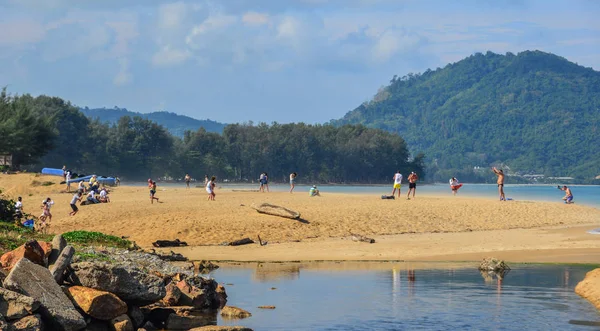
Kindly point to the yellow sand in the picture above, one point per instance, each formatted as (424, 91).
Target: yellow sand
(426, 228)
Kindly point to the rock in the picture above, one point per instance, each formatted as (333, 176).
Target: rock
(121, 323)
(129, 283)
(96, 325)
(176, 322)
(589, 287)
(173, 295)
(205, 266)
(98, 304)
(202, 293)
(14, 305)
(266, 307)
(221, 295)
(221, 328)
(58, 244)
(62, 263)
(493, 264)
(34, 251)
(234, 312)
(157, 316)
(136, 316)
(191, 295)
(27, 323)
(37, 282)
(148, 326)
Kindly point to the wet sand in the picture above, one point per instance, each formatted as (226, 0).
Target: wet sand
(428, 228)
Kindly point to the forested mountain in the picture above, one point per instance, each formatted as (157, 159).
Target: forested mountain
(533, 112)
(174, 123)
(50, 132)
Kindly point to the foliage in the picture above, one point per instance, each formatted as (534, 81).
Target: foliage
(13, 236)
(533, 112)
(95, 239)
(174, 123)
(7, 210)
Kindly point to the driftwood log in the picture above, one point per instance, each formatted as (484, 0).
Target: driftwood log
(269, 209)
(358, 237)
(244, 241)
(169, 243)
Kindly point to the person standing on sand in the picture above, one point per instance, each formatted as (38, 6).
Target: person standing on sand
(152, 192)
(397, 183)
(210, 188)
(187, 181)
(76, 197)
(19, 208)
(68, 179)
(500, 182)
(412, 184)
(293, 176)
(64, 170)
(568, 198)
(454, 185)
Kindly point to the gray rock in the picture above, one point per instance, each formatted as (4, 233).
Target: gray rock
(136, 315)
(149, 326)
(37, 282)
(58, 244)
(61, 264)
(27, 323)
(131, 284)
(14, 305)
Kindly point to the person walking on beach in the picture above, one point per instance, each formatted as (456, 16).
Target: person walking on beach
(500, 182)
(397, 183)
(187, 181)
(568, 198)
(68, 179)
(210, 188)
(454, 185)
(76, 197)
(46, 214)
(152, 192)
(412, 184)
(293, 176)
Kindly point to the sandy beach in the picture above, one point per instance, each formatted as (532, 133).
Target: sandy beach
(428, 228)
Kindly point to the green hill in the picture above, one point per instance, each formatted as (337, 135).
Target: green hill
(531, 113)
(174, 123)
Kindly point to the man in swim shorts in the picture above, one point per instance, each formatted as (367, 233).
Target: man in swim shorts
(568, 198)
(500, 182)
(397, 183)
(412, 184)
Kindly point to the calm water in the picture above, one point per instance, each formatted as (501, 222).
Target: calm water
(384, 297)
(584, 194)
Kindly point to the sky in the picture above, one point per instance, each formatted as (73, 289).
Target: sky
(266, 60)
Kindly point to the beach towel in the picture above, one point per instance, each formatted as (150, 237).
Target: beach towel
(28, 224)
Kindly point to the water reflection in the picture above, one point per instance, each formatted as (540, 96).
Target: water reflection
(265, 272)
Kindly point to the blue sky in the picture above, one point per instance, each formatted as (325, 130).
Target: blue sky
(266, 60)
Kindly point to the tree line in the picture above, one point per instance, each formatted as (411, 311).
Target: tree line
(50, 132)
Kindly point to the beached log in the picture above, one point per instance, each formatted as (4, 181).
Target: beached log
(169, 243)
(358, 237)
(244, 241)
(267, 208)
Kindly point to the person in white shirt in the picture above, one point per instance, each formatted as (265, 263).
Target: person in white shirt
(46, 215)
(76, 197)
(91, 197)
(454, 185)
(210, 188)
(104, 195)
(19, 207)
(81, 187)
(68, 178)
(397, 183)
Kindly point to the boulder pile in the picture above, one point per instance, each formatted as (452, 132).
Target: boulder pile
(43, 288)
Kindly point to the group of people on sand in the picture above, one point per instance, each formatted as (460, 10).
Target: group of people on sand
(412, 184)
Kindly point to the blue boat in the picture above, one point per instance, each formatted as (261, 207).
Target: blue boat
(101, 179)
(52, 171)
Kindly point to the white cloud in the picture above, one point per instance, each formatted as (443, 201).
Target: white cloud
(20, 32)
(254, 18)
(212, 23)
(168, 57)
(171, 15)
(288, 28)
(393, 41)
(124, 75)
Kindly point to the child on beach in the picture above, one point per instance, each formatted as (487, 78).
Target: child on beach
(46, 214)
(68, 178)
(314, 191)
(81, 187)
(76, 197)
(152, 192)
(210, 188)
(293, 176)
(454, 185)
(104, 195)
(187, 181)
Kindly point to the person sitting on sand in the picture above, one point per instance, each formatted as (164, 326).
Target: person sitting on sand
(397, 183)
(152, 192)
(104, 195)
(76, 197)
(91, 197)
(314, 191)
(293, 176)
(568, 198)
(500, 182)
(210, 188)
(454, 185)
(81, 187)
